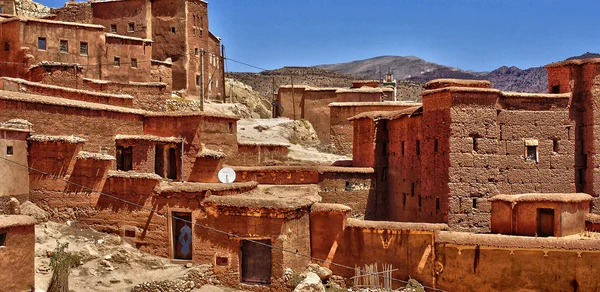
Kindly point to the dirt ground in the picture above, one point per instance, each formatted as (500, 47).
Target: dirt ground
(299, 134)
(110, 264)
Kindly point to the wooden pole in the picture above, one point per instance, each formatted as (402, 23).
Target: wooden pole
(293, 99)
(202, 80)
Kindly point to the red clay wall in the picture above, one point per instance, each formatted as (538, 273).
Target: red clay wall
(292, 107)
(121, 13)
(315, 110)
(256, 154)
(147, 96)
(17, 259)
(126, 50)
(74, 12)
(363, 150)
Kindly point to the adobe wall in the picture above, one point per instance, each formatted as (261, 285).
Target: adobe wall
(15, 178)
(315, 110)
(9, 33)
(341, 130)
(258, 154)
(196, 16)
(98, 127)
(219, 133)
(20, 85)
(74, 12)
(488, 268)
(363, 149)
(150, 96)
(54, 32)
(161, 72)
(127, 50)
(361, 243)
(291, 107)
(8, 7)
(17, 259)
(206, 169)
(359, 95)
(289, 231)
(121, 13)
(216, 81)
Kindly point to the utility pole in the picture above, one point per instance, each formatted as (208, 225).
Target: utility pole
(273, 100)
(293, 99)
(202, 80)
(222, 61)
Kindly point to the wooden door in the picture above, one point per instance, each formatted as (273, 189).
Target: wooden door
(256, 262)
(545, 222)
(182, 235)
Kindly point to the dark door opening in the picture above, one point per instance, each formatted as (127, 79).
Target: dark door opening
(124, 158)
(182, 235)
(256, 262)
(159, 160)
(545, 222)
(172, 173)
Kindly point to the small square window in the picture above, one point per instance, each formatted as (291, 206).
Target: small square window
(200, 33)
(172, 29)
(531, 154)
(222, 261)
(7, 46)
(418, 145)
(196, 51)
(64, 46)
(131, 27)
(133, 63)
(83, 48)
(129, 233)
(555, 89)
(2, 239)
(117, 62)
(197, 80)
(9, 150)
(194, 31)
(42, 43)
(113, 28)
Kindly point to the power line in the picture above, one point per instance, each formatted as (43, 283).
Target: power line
(246, 64)
(208, 227)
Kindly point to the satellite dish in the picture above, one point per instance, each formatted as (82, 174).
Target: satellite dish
(227, 175)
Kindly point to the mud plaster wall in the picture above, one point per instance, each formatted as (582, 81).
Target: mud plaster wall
(127, 50)
(363, 148)
(215, 132)
(522, 219)
(15, 178)
(206, 169)
(10, 34)
(315, 110)
(484, 268)
(17, 259)
(291, 107)
(584, 82)
(403, 249)
(165, 15)
(150, 97)
(350, 189)
(341, 130)
(290, 232)
(250, 155)
(121, 14)
(8, 7)
(98, 127)
(61, 92)
(359, 96)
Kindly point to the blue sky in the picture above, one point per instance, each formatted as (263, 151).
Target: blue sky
(476, 35)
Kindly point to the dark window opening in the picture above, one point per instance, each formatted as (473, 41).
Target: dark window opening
(42, 43)
(9, 150)
(435, 145)
(402, 148)
(230, 127)
(124, 158)
(159, 160)
(348, 186)
(133, 63)
(384, 171)
(531, 154)
(384, 126)
(437, 204)
(404, 199)
(172, 29)
(474, 203)
(1, 10)
(420, 201)
(545, 224)
(129, 233)
(197, 80)
(475, 144)
(182, 235)
(200, 32)
(555, 145)
(113, 28)
(194, 31)
(412, 189)
(131, 27)
(83, 48)
(117, 62)
(418, 147)
(64, 46)
(7, 46)
(555, 89)
(196, 51)
(2, 238)
(172, 173)
(256, 261)
(222, 261)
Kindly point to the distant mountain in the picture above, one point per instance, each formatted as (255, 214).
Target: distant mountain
(418, 70)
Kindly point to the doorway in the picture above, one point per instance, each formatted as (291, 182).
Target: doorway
(256, 261)
(545, 222)
(182, 235)
(172, 171)
(159, 160)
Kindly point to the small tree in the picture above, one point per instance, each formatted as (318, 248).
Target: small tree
(61, 263)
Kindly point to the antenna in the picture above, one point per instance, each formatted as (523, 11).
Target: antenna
(227, 175)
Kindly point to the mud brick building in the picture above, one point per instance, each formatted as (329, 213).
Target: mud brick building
(17, 253)
(466, 144)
